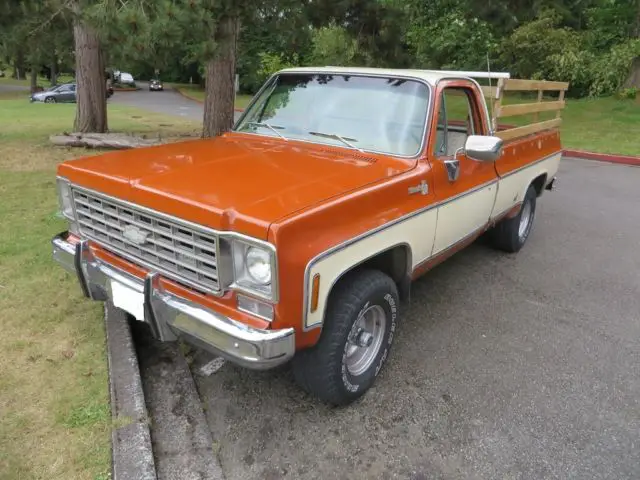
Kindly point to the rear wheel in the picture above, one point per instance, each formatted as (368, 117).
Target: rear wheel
(511, 234)
(50, 100)
(355, 341)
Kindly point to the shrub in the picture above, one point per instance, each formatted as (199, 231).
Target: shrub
(451, 41)
(270, 63)
(333, 45)
(628, 93)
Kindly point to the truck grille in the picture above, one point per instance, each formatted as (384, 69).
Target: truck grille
(179, 251)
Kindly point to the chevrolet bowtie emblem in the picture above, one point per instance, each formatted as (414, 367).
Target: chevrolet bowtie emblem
(135, 235)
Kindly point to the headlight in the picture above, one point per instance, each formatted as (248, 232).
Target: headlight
(253, 268)
(258, 264)
(65, 200)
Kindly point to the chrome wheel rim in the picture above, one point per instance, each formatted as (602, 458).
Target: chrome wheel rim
(525, 221)
(365, 339)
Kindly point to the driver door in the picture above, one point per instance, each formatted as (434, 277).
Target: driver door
(464, 188)
(66, 93)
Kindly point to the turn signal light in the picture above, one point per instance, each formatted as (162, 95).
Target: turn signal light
(315, 292)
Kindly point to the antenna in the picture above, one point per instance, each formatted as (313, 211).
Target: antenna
(490, 93)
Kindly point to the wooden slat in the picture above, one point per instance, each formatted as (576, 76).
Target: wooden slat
(490, 92)
(528, 129)
(524, 108)
(516, 84)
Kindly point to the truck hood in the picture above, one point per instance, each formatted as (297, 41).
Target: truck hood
(238, 182)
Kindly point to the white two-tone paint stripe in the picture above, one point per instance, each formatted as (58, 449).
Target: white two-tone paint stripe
(425, 232)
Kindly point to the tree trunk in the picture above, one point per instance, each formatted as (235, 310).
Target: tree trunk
(220, 79)
(636, 30)
(54, 70)
(19, 71)
(33, 79)
(633, 80)
(91, 93)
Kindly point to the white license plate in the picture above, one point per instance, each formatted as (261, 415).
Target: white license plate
(128, 300)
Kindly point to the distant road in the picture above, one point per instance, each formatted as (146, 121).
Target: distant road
(13, 88)
(168, 102)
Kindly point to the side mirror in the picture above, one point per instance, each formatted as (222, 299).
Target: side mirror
(483, 148)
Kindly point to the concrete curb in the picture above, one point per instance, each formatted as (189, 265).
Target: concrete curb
(602, 157)
(186, 95)
(182, 442)
(132, 453)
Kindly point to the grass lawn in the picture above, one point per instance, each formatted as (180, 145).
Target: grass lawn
(42, 81)
(605, 125)
(55, 419)
(197, 93)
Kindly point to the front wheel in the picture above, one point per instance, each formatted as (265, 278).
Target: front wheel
(50, 100)
(511, 234)
(355, 341)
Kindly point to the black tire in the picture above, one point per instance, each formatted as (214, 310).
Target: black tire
(50, 100)
(323, 370)
(506, 235)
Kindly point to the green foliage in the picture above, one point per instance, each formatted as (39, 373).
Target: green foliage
(610, 70)
(545, 49)
(270, 63)
(628, 93)
(594, 74)
(332, 45)
(530, 49)
(451, 41)
(590, 43)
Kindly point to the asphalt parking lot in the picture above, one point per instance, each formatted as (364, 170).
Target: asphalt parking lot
(504, 367)
(167, 102)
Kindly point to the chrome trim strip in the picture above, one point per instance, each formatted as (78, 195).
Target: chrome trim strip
(479, 90)
(307, 298)
(150, 281)
(222, 234)
(425, 133)
(254, 314)
(73, 204)
(476, 232)
(368, 233)
(148, 211)
(81, 252)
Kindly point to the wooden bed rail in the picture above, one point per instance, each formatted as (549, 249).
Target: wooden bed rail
(534, 108)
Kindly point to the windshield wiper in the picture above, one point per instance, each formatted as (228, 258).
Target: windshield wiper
(346, 140)
(270, 127)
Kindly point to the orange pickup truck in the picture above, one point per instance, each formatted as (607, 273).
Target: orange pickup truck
(295, 235)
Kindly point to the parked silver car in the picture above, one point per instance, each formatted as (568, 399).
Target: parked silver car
(65, 93)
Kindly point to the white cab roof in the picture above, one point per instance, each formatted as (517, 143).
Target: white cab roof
(430, 76)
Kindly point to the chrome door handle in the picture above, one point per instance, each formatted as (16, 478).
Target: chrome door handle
(453, 168)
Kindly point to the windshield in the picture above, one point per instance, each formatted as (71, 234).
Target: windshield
(366, 113)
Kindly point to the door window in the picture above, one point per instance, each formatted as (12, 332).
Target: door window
(456, 121)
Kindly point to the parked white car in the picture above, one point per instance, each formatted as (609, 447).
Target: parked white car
(123, 77)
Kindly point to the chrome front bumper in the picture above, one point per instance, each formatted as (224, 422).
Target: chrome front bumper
(170, 316)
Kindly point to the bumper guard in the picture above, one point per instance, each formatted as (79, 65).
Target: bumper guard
(170, 316)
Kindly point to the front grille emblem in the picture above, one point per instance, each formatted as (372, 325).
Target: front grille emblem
(135, 235)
